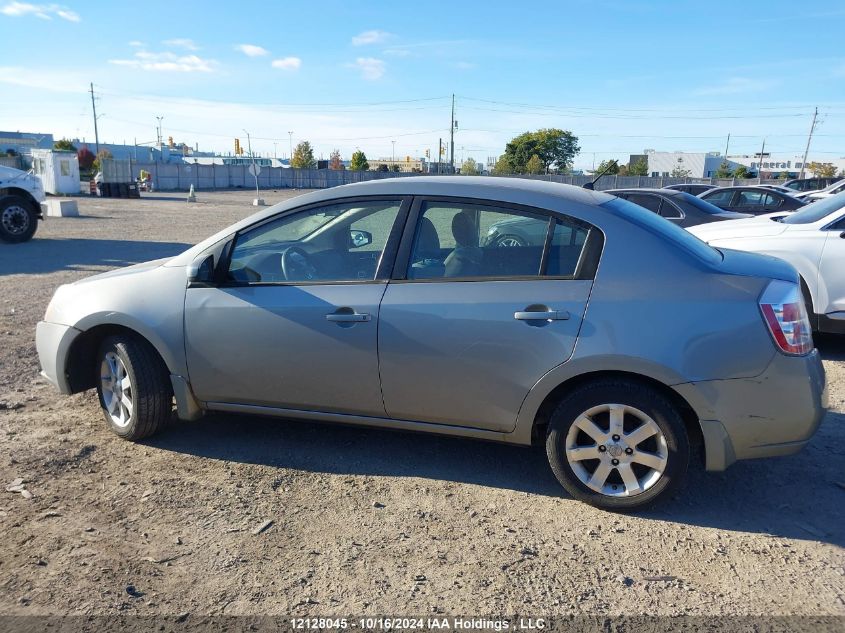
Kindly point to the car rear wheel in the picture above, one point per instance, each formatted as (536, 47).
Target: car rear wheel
(133, 387)
(18, 220)
(617, 445)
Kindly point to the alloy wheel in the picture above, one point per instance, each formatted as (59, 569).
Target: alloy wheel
(616, 450)
(116, 388)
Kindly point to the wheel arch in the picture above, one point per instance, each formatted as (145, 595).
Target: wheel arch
(81, 357)
(23, 193)
(550, 401)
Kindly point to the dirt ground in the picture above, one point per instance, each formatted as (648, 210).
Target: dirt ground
(364, 521)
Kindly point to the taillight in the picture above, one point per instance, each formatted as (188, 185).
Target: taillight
(783, 310)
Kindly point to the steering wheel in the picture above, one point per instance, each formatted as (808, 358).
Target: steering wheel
(296, 266)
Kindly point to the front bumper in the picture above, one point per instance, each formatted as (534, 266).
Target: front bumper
(53, 342)
(775, 413)
(42, 210)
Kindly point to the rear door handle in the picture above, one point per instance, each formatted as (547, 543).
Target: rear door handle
(348, 317)
(547, 315)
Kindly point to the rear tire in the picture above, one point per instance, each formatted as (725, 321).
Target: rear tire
(133, 387)
(617, 444)
(18, 219)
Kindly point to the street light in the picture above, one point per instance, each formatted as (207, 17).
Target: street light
(160, 119)
(393, 155)
(290, 140)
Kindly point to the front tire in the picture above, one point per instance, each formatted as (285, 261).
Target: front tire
(18, 219)
(617, 445)
(133, 387)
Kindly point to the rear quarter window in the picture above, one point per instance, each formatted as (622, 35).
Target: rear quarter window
(667, 230)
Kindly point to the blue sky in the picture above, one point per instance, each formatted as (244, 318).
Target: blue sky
(623, 76)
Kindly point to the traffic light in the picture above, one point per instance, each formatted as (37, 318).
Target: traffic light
(238, 150)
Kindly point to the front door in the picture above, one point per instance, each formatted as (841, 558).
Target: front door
(294, 325)
(492, 298)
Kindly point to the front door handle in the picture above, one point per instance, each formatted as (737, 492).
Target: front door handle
(347, 317)
(541, 315)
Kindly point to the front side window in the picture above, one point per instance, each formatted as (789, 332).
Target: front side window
(457, 240)
(339, 242)
(719, 197)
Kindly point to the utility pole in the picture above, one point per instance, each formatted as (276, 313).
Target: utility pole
(439, 153)
(290, 142)
(760, 164)
(727, 145)
(452, 136)
(159, 119)
(94, 108)
(258, 201)
(809, 138)
(393, 153)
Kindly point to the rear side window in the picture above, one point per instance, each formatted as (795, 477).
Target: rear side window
(668, 230)
(652, 203)
(719, 197)
(455, 240)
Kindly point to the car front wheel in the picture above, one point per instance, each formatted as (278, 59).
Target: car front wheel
(617, 445)
(133, 387)
(18, 219)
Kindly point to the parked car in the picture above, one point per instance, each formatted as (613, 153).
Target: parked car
(693, 188)
(810, 184)
(752, 200)
(786, 190)
(827, 192)
(21, 197)
(682, 208)
(811, 240)
(380, 303)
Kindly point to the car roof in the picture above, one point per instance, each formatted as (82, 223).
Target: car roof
(659, 191)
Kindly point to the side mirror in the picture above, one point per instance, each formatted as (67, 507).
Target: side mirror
(360, 238)
(201, 270)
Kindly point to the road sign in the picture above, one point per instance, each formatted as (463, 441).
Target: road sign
(255, 169)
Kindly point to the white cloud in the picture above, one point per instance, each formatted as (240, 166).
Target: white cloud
(371, 68)
(136, 44)
(182, 42)
(43, 11)
(370, 37)
(397, 52)
(465, 65)
(251, 50)
(287, 63)
(167, 62)
(736, 85)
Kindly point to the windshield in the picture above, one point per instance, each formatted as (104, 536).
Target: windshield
(817, 210)
(664, 228)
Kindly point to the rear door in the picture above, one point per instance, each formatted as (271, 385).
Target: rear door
(470, 322)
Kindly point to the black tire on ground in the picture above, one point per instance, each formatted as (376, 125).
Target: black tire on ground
(633, 394)
(151, 392)
(18, 219)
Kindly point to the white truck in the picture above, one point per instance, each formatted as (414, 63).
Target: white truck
(21, 204)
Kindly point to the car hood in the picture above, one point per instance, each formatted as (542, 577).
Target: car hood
(759, 226)
(121, 272)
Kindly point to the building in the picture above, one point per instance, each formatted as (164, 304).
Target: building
(407, 164)
(691, 164)
(775, 165)
(24, 142)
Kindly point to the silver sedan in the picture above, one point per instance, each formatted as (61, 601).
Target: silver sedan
(618, 340)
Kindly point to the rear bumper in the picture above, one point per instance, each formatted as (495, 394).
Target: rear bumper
(53, 342)
(773, 414)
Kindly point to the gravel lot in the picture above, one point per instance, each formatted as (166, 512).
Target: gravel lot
(364, 521)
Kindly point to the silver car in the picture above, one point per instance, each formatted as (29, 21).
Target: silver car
(618, 341)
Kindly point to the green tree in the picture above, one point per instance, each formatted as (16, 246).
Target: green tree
(335, 161)
(382, 167)
(741, 172)
(724, 171)
(303, 156)
(554, 148)
(822, 170)
(623, 171)
(395, 167)
(680, 171)
(534, 165)
(359, 162)
(103, 155)
(784, 175)
(638, 168)
(611, 166)
(469, 167)
(502, 166)
(64, 145)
